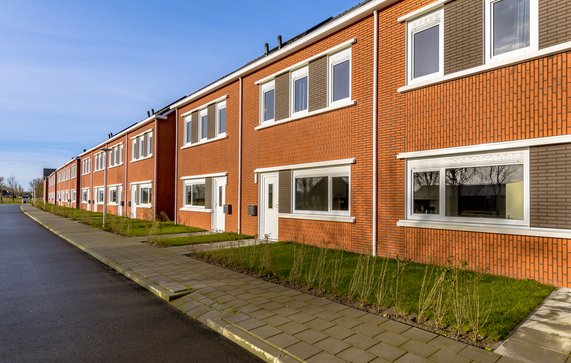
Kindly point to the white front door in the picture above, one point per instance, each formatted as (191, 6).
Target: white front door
(133, 201)
(218, 201)
(119, 200)
(88, 199)
(269, 207)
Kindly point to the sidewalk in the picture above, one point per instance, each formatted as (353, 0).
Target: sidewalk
(275, 323)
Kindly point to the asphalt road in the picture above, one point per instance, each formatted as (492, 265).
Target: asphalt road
(57, 304)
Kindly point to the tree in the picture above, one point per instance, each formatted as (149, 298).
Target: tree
(1, 188)
(37, 187)
(13, 186)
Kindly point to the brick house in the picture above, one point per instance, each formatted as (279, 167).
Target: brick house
(140, 176)
(63, 185)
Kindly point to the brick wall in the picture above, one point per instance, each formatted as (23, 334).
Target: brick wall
(463, 35)
(554, 24)
(318, 84)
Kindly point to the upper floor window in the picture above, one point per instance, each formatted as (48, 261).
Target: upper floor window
(188, 129)
(116, 155)
(143, 146)
(268, 101)
(299, 90)
(425, 47)
(221, 118)
(85, 166)
(203, 129)
(74, 171)
(99, 161)
(340, 76)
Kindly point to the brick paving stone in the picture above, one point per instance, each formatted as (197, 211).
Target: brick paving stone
(387, 351)
(419, 335)
(339, 332)
(361, 341)
(262, 314)
(270, 305)
(285, 311)
(422, 349)
(372, 319)
(265, 331)
(530, 352)
(236, 317)
(332, 345)
(328, 315)
(325, 357)
(303, 350)
(301, 317)
(293, 327)
(412, 358)
(353, 313)
(379, 360)
(448, 344)
(251, 323)
(310, 309)
(311, 336)
(335, 307)
(369, 330)
(283, 340)
(479, 355)
(444, 356)
(319, 324)
(505, 359)
(276, 320)
(356, 355)
(295, 304)
(391, 338)
(346, 322)
(395, 326)
(249, 308)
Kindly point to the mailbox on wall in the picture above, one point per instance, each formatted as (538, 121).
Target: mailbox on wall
(227, 208)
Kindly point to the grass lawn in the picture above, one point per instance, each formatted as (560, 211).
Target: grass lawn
(10, 201)
(119, 225)
(471, 306)
(203, 238)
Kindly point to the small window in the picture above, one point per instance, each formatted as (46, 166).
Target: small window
(270, 196)
(84, 196)
(340, 76)
(187, 129)
(100, 195)
(145, 195)
(135, 151)
(113, 195)
(73, 196)
(512, 27)
(268, 102)
(299, 90)
(322, 191)
(221, 118)
(426, 192)
(425, 47)
(203, 125)
(149, 143)
(195, 193)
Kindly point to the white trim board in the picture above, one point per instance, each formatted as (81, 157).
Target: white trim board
(506, 145)
(317, 164)
(200, 176)
(141, 182)
(351, 17)
(306, 61)
(318, 217)
(219, 99)
(424, 10)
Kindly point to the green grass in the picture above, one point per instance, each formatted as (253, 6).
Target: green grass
(203, 238)
(119, 225)
(334, 272)
(10, 201)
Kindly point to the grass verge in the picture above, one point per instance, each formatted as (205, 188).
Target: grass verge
(119, 225)
(202, 238)
(471, 306)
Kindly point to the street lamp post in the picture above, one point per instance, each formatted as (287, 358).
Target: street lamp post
(105, 186)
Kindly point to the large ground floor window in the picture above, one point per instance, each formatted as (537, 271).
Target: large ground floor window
(195, 193)
(481, 188)
(322, 191)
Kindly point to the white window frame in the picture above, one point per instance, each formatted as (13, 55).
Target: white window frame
(330, 172)
(84, 193)
(295, 75)
(142, 146)
(187, 136)
(333, 60)
(221, 106)
(201, 114)
(470, 160)
(417, 25)
(74, 171)
(111, 190)
(99, 161)
(73, 195)
(189, 183)
(533, 33)
(139, 193)
(266, 87)
(99, 191)
(85, 166)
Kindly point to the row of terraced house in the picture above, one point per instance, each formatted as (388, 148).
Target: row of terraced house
(425, 129)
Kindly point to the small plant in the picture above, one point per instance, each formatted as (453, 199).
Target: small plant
(397, 278)
(430, 290)
(382, 288)
(296, 271)
(477, 311)
(336, 267)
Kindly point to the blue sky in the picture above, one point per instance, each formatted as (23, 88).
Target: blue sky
(73, 71)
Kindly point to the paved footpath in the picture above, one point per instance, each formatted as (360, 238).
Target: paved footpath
(275, 323)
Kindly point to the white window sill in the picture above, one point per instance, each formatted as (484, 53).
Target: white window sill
(139, 159)
(318, 217)
(112, 204)
(219, 137)
(145, 206)
(195, 209)
(308, 114)
(486, 228)
(489, 66)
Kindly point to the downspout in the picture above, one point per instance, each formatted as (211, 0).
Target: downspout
(126, 189)
(92, 195)
(176, 167)
(240, 159)
(375, 115)
(155, 156)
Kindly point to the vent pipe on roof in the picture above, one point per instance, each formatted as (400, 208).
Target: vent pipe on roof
(267, 48)
(152, 111)
(148, 113)
(280, 43)
(110, 135)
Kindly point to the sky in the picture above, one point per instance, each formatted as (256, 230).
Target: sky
(73, 71)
